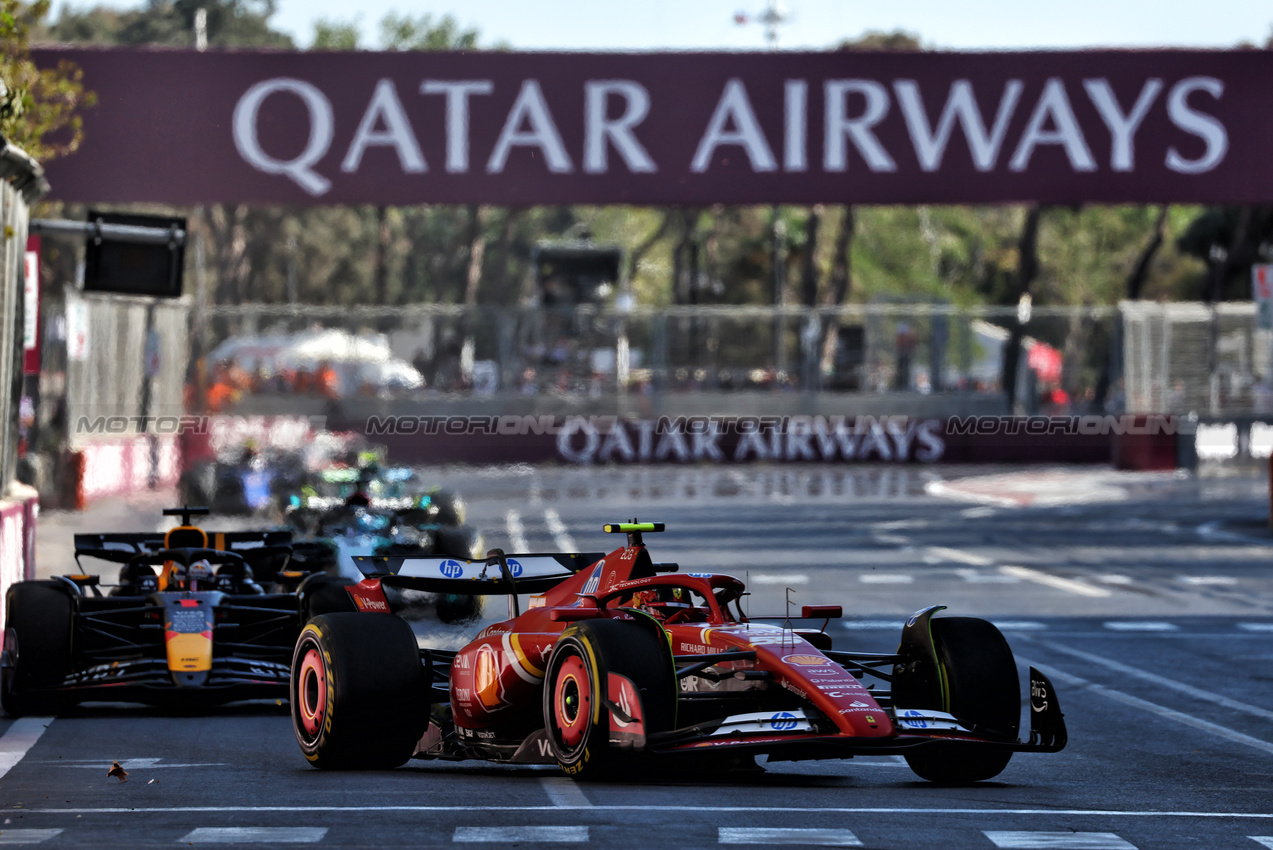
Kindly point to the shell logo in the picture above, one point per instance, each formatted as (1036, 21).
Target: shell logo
(486, 678)
(805, 660)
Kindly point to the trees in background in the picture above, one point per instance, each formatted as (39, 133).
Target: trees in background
(39, 108)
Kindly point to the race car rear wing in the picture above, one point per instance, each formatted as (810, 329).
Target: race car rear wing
(120, 547)
(533, 573)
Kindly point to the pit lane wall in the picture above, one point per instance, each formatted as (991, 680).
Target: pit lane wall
(1127, 442)
(21, 184)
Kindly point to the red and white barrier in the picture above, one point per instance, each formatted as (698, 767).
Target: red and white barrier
(17, 539)
(124, 465)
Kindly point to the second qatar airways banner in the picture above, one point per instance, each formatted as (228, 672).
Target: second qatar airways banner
(182, 127)
(1141, 442)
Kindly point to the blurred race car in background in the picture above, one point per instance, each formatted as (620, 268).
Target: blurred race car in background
(245, 481)
(619, 660)
(346, 511)
(188, 621)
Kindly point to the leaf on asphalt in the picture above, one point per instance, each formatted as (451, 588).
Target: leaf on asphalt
(117, 772)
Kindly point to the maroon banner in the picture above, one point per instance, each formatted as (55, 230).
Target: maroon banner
(1131, 442)
(687, 128)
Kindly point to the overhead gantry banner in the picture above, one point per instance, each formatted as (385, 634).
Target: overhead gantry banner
(182, 127)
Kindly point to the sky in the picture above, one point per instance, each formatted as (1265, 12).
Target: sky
(810, 25)
(813, 24)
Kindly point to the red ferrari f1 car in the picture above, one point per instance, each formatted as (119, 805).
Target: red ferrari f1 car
(620, 659)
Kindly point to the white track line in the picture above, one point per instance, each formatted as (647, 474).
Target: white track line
(671, 807)
(773, 837)
(26, 836)
(959, 556)
(779, 578)
(1067, 584)
(886, 578)
(520, 835)
(1140, 626)
(516, 533)
(255, 835)
(565, 792)
(1153, 708)
(1161, 681)
(557, 528)
(21, 737)
(1025, 840)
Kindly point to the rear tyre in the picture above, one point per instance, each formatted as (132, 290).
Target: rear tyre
(37, 642)
(576, 717)
(358, 692)
(984, 691)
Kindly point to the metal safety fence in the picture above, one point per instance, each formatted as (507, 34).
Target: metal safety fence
(421, 351)
(1212, 360)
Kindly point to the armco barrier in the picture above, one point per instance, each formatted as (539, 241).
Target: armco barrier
(17, 539)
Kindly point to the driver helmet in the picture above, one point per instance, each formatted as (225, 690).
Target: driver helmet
(200, 570)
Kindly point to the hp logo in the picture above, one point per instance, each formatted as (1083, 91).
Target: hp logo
(514, 567)
(783, 721)
(451, 569)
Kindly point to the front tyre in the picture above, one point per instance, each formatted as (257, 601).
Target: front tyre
(576, 716)
(983, 691)
(37, 648)
(358, 691)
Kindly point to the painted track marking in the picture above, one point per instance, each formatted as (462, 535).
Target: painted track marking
(1067, 584)
(772, 837)
(978, 577)
(19, 739)
(26, 836)
(1266, 840)
(521, 834)
(873, 625)
(126, 764)
(255, 835)
(886, 578)
(557, 528)
(1151, 707)
(565, 792)
(1161, 681)
(1140, 626)
(1021, 840)
(674, 807)
(778, 578)
(942, 553)
(516, 533)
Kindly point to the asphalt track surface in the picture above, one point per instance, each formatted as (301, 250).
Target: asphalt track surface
(1147, 598)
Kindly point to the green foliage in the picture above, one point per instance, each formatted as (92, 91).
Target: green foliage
(404, 32)
(39, 107)
(334, 35)
(231, 23)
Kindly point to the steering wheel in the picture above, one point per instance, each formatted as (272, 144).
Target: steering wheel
(683, 614)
